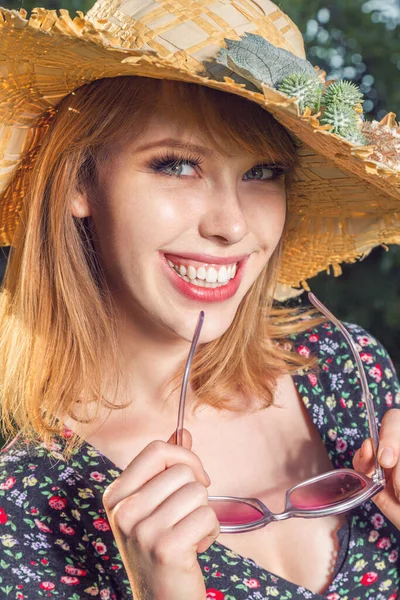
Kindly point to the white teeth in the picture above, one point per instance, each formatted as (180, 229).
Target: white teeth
(202, 277)
(212, 275)
(191, 272)
(201, 273)
(223, 275)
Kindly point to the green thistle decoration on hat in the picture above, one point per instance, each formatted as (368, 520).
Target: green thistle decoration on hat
(342, 118)
(342, 101)
(343, 92)
(308, 90)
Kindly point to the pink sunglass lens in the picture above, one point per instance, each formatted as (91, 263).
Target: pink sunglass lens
(327, 491)
(235, 513)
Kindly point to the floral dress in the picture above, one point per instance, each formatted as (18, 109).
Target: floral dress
(56, 542)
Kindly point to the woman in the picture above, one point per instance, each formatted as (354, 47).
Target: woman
(132, 203)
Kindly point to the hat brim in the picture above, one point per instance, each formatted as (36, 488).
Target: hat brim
(340, 204)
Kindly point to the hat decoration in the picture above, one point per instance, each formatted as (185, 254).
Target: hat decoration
(344, 198)
(338, 105)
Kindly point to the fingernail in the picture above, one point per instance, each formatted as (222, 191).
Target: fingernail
(361, 451)
(208, 477)
(386, 457)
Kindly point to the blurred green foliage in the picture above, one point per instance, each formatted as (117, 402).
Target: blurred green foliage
(358, 40)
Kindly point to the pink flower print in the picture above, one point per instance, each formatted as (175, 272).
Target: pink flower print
(105, 594)
(8, 483)
(57, 502)
(42, 526)
(376, 373)
(367, 358)
(3, 516)
(47, 585)
(44, 561)
(313, 337)
(369, 578)
(393, 596)
(69, 580)
(217, 574)
(34, 511)
(74, 571)
(389, 399)
(206, 569)
(67, 433)
(342, 402)
(333, 596)
(97, 476)
(377, 520)
(213, 594)
(303, 351)
(393, 556)
(100, 547)
(363, 340)
(251, 583)
(312, 379)
(384, 543)
(101, 524)
(341, 445)
(64, 528)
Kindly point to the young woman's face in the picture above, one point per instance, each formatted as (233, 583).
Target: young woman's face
(182, 228)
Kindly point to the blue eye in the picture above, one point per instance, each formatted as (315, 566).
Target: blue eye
(264, 173)
(174, 165)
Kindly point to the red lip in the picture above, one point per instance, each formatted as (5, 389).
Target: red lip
(201, 294)
(207, 258)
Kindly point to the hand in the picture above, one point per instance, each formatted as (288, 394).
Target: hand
(388, 500)
(159, 514)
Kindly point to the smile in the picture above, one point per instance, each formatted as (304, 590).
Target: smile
(205, 275)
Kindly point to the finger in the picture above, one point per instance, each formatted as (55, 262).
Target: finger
(139, 506)
(363, 460)
(389, 439)
(395, 480)
(186, 439)
(150, 462)
(194, 533)
(175, 508)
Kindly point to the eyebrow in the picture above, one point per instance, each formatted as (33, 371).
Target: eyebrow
(177, 144)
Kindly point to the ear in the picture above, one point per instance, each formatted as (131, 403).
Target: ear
(80, 205)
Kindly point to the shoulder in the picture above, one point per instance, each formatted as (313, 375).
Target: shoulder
(45, 536)
(337, 365)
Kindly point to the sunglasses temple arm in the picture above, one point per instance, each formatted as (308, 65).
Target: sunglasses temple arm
(373, 427)
(182, 401)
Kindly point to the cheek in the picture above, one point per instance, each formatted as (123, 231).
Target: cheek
(138, 217)
(268, 219)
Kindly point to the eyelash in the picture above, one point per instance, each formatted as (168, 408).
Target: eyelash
(159, 163)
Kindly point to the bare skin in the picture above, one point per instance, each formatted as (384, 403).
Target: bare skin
(225, 206)
(227, 444)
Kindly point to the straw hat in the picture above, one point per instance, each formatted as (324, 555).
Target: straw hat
(345, 197)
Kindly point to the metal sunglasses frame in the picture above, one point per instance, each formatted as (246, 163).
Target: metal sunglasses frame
(373, 484)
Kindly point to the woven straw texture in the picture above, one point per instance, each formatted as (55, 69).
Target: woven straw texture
(342, 202)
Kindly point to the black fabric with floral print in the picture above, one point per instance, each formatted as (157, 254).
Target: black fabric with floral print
(55, 540)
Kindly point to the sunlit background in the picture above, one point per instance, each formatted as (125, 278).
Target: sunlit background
(357, 40)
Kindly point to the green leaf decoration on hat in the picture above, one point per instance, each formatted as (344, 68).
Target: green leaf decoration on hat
(308, 90)
(259, 61)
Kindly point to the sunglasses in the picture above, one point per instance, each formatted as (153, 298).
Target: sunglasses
(331, 493)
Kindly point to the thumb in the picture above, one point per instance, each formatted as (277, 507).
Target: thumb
(186, 439)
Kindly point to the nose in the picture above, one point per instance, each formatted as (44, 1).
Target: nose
(223, 218)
